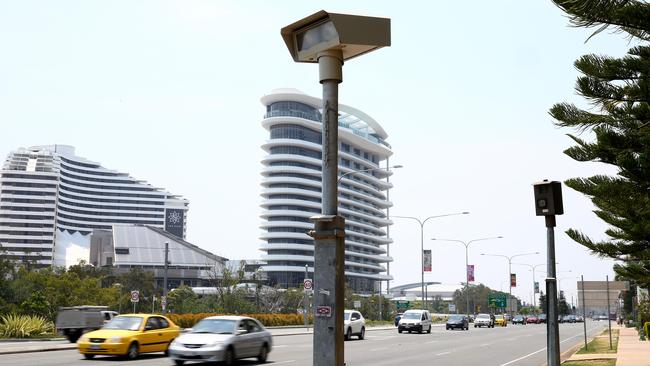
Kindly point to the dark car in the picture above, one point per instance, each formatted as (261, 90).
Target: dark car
(541, 318)
(569, 319)
(519, 319)
(397, 318)
(458, 322)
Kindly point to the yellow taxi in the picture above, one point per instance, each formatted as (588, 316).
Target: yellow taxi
(129, 335)
(500, 320)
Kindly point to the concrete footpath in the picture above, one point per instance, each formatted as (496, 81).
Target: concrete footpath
(28, 346)
(631, 351)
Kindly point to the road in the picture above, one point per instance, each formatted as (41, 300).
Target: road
(514, 345)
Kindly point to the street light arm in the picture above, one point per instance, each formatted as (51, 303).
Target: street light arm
(388, 169)
(445, 215)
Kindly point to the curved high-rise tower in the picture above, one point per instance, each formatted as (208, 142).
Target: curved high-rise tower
(292, 190)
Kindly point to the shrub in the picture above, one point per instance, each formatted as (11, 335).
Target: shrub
(24, 326)
(268, 320)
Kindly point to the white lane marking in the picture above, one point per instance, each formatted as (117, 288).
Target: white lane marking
(431, 342)
(485, 344)
(281, 362)
(378, 349)
(442, 353)
(543, 349)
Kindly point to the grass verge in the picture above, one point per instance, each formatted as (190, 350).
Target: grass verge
(600, 344)
(590, 363)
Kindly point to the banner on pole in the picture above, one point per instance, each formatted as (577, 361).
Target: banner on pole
(536, 287)
(513, 280)
(427, 260)
(470, 273)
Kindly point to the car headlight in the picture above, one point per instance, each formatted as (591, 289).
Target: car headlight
(215, 344)
(84, 339)
(115, 340)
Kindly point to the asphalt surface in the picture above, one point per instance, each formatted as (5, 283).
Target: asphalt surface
(512, 345)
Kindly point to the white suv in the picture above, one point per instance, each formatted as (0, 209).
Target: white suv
(353, 324)
(484, 320)
(415, 320)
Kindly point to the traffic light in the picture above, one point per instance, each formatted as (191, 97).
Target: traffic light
(548, 198)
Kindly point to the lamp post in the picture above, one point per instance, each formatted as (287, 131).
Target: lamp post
(509, 258)
(422, 222)
(338, 182)
(466, 244)
(329, 39)
(532, 267)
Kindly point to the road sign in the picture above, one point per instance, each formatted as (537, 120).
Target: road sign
(135, 296)
(403, 305)
(163, 302)
(452, 308)
(357, 304)
(308, 284)
(497, 300)
(324, 311)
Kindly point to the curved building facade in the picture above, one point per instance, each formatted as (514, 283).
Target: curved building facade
(44, 188)
(292, 190)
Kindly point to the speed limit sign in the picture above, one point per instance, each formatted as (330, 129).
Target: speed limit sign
(135, 296)
(308, 284)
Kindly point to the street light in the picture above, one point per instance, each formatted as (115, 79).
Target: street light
(509, 270)
(532, 267)
(466, 244)
(422, 222)
(329, 39)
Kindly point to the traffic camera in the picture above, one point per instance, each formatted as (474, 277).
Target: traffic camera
(548, 198)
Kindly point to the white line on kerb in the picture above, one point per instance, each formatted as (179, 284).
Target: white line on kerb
(543, 349)
(281, 362)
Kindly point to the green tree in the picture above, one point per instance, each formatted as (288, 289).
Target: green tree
(563, 306)
(619, 91)
(542, 302)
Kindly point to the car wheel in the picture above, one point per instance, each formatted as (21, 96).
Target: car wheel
(348, 334)
(399, 330)
(362, 334)
(229, 357)
(88, 356)
(475, 325)
(409, 332)
(429, 330)
(132, 352)
(447, 328)
(264, 352)
(167, 348)
(179, 362)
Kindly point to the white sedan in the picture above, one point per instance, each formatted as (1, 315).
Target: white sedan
(353, 324)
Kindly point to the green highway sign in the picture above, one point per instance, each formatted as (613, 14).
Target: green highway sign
(497, 300)
(403, 305)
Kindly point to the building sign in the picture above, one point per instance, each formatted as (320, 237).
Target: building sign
(513, 280)
(174, 221)
(452, 308)
(427, 261)
(470, 273)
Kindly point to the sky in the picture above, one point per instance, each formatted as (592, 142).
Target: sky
(169, 91)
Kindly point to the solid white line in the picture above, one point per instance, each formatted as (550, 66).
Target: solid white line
(543, 349)
(281, 346)
(443, 353)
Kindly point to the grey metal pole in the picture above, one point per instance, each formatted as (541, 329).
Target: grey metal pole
(584, 309)
(424, 300)
(305, 300)
(164, 311)
(388, 228)
(609, 314)
(467, 278)
(552, 326)
(380, 302)
(534, 294)
(329, 232)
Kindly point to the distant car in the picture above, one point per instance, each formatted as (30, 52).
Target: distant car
(600, 317)
(541, 318)
(568, 319)
(518, 319)
(484, 320)
(507, 316)
(222, 338)
(130, 335)
(397, 318)
(415, 320)
(353, 324)
(532, 320)
(457, 322)
(579, 319)
(500, 320)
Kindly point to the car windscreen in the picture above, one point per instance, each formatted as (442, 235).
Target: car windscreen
(411, 316)
(215, 326)
(483, 316)
(124, 323)
(455, 318)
